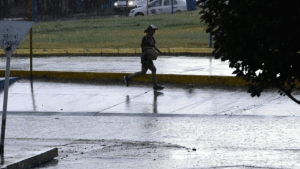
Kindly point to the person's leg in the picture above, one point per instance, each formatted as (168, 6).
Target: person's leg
(153, 69)
(137, 74)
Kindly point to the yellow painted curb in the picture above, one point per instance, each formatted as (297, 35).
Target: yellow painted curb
(164, 50)
(184, 50)
(207, 50)
(138, 50)
(177, 50)
(194, 79)
(191, 50)
(93, 51)
(22, 51)
(77, 51)
(190, 79)
(127, 51)
(38, 51)
(53, 51)
(110, 51)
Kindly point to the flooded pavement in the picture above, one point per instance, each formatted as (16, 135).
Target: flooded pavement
(181, 65)
(109, 125)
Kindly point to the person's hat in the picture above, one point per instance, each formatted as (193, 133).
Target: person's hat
(150, 28)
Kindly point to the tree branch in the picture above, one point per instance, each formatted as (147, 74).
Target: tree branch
(287, 93)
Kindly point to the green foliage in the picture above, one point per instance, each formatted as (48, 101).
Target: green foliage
(259, 38)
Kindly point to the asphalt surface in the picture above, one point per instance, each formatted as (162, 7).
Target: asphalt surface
(98, 124)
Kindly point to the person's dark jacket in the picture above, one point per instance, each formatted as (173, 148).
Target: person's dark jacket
(147, 42)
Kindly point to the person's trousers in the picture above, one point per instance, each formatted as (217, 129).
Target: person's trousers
(144, 71)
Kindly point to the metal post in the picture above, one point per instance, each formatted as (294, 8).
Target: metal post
(30, 19)
(126, 8)
(34, 10)
(7, 72)
(172, 7)
(147, 8)
(210, 40)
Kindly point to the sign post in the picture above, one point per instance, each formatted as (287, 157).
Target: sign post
(11, 35)
(147, 8)
(210, 39)
(32, 16)
(172, 7)
(30, 38)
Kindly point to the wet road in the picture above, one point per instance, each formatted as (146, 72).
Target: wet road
(98, 125)
(182, 65)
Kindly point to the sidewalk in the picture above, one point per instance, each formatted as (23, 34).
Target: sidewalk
(172, 69)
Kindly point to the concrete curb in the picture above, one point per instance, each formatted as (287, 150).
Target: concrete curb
(29, 162)
(108, 52)
(170, 78)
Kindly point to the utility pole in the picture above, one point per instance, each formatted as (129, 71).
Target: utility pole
(7, 72)
(126, 8)
(30, 19)
(147, 8)
(210, 39)
(172, 6)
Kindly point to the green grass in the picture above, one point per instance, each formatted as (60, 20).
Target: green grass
(182, 29)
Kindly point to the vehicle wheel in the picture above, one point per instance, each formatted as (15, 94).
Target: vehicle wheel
(139, 14)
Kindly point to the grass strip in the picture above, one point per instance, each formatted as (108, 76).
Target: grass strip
(183, 29)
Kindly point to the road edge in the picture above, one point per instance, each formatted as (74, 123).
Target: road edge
(32, 161)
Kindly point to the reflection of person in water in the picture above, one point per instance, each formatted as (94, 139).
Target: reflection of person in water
(32, 95)
(156, 94)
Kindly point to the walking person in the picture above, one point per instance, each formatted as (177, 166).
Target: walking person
(149, 53)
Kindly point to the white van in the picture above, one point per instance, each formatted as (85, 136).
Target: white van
(121, 5)
(158, 7)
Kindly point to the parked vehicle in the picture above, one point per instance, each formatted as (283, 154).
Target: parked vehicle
(121, 5)
(158, 7)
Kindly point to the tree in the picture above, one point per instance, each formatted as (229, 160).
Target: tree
(259, 38)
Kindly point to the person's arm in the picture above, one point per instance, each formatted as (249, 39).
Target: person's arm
(157, 49)
(150, 42)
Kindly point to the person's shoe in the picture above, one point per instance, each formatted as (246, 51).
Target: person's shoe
(158, 87)
(156, 93)
(126, 80)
